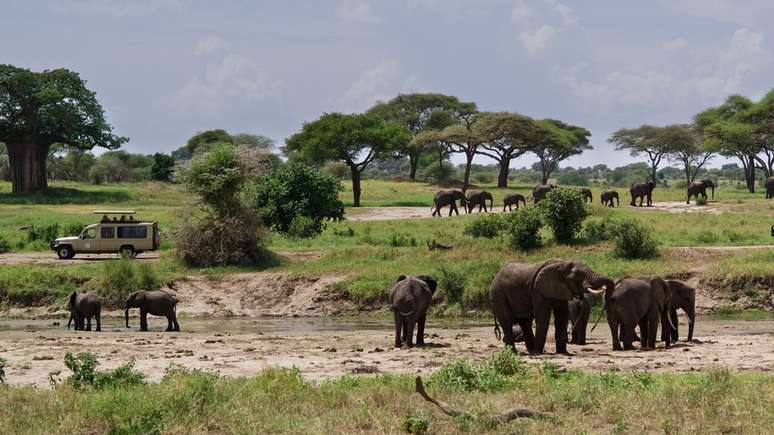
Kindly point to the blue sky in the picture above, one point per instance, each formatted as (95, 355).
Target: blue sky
(165, 69)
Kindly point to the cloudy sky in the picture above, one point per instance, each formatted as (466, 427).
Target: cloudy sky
(165, 69)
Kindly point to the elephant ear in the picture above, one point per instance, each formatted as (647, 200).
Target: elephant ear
(662, 291)
(400, 278)
(552, 281)
(72, 299)
(430, 281)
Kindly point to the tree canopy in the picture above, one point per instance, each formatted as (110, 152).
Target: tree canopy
(686, 147)
(555, 141)
(643, 140)
(506, 138)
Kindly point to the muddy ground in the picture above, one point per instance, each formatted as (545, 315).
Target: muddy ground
(325, 348)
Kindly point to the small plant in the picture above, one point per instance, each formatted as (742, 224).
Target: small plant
(42, 233)
(452, 283)
(5, 245)
(347, 232)
(84, 367)
(564, 211)
(601, 229)
(303, 227)
(523, 228)
(633, 240)
(507, 363)
(3, 363)
(402, 240)
(416, 423)
(484, 226)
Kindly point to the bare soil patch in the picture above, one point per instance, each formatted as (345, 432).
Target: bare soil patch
(50, 258)
(680, 207)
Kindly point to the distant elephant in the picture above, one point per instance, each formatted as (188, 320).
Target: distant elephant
(642, 302)
(683, 297)
(82, 308)
(409, 300)
(700, 188)
(521, 292)
(580, 311)
(479, 198)
(540, 192)
(769, 184)
(448, 198)
(157, 303)
(586, 194)
(608, 196)
(512, 199)
(642, 190)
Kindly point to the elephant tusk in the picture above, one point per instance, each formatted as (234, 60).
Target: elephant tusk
(596, 292)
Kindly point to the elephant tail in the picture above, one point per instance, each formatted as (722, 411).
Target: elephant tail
(497, 332)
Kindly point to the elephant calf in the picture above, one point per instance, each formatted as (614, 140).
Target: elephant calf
(700, 188)
(580, 311)
(409, 300)
(448, 198)
(479, 198)
(157, 303)
(82, 308)
(684, 298)
(639, 302)
(608, 196)
(514, 199)
(641, 191)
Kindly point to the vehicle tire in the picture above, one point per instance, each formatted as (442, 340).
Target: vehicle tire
(127, 252)
(65, 252)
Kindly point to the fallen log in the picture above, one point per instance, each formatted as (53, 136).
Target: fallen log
(433, 245)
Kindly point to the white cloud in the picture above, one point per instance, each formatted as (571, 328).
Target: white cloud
(726, 11)
(568, 16)
(537, 39)
(119, 8)
(357, 10)
(378, 83)
(676, 44)
(209, 45)
(520, 11)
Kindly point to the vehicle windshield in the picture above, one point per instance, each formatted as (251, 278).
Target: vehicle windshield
(89, 233)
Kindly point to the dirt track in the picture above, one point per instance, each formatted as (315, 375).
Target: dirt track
(323, 348)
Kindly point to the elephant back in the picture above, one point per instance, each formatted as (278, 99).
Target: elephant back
(512, 286)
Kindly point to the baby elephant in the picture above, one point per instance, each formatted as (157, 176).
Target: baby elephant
(580, 311)
(158, 303)
(409, 299)
(82, 308)
(514, 199)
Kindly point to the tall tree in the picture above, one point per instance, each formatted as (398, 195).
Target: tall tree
(39, 109)
(163, 167)
(355, 139)
(642, 141)
(419, 112)
(554, 141)
(760, 116)
(464, 137)
(507, 136)
(253, 141)
(686, 147)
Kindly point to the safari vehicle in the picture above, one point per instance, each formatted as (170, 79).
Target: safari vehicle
(123, 234)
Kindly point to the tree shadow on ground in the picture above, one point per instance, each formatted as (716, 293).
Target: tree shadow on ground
(65, 195)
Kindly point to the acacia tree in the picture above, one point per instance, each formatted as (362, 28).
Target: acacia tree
(507, 136)
(686, 147)
(760, 116)
(355, 139)
(39, 109)
(418, 112)
(554, 141)
(464, 137)
(643, 140)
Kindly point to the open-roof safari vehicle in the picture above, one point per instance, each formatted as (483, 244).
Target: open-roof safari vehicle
(123, 234)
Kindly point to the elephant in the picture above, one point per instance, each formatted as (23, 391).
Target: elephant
(608, 196)
(642, 190)
(521, 292)
(478, 198)
(409, 300)
(683, 297)
(512, 199)
(580, 311)
(448, 197)
(540, 192)
(586, 194)
(639, 302)
(769, 184)
(157, 303)
(700, 188)
(82, 308)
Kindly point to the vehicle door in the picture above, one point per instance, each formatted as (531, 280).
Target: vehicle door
(88, 240)
(107, 239)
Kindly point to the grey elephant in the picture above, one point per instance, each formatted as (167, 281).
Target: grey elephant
(586, 192)
(700, 188)
(642, 302)
(409, 300)
(448, 198)
(479, 198)
(608, 196)
(769, 185)
(83, 307)
(684, 298)
(641, 191)
(580, 311)
(540, 192)
(157, 303)
(512, 199)
(521, 292)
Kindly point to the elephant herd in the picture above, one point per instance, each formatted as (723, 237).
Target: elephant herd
(523, 294)
(85, 306)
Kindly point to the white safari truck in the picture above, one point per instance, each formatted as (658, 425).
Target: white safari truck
(117, 231)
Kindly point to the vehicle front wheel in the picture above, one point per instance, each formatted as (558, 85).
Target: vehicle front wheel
(128, 252)
(65, 252)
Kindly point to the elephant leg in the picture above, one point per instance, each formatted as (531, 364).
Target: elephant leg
(664, 317)
(143, 319)
(627, 332)
(453, 208)
(174, 322)
(561, 314)
(508, 337)
(411, 323)
(169, 322)
(542, 318)
(692, 321)
(526, 331)
(614, 327)
(88, 323)
(675, 332)
(421, 330)
(582, 325)
(99, 325)
(398, 326)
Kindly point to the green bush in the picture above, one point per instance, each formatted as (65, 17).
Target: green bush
(452, 284)
(42, 233)
(487, 226)
(523, 228)
(493, 374)
(564, 211)
(73, 229)
(5, 245)
(600, 229)
(402, 240)
(303, 227)
(416, 424)
(83, 366)
(634, 241)
(217, 177)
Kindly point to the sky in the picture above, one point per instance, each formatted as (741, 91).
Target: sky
(165, 69)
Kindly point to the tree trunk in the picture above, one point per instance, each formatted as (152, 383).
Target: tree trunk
(413, 162)
(28, 166)
(653, 170)
(751, 176)
(546, 173)
(355, 186)
(505, 167)
(468, 164)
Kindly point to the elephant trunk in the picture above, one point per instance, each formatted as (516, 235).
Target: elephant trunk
(126, 315)
(617, 200)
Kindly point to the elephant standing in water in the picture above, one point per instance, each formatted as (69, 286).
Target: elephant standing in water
(580, 311)
(521, 292)
(540, 192)
(608, 196)
(586, 194)
(512, 199)
(642, 190)
(639, 302)
(157, 303)
(700, 188)
(409, 300)
(769, 184)
(448, 198)
(684, 298)
(479, 198)
(82, 308)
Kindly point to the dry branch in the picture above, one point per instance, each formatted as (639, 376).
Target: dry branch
(433, 245)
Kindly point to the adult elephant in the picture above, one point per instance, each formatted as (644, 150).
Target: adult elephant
(157, 303)
(608, 196)
(409, 300)
(540, 192)
(521, 292)
(700, 188)
(769, 184)
(479, 198)
(448, 198)
(512, 199)
(684, 298)
(639, 302)
(580, 311)
(642, 190)
(586, 192)
(83, 307)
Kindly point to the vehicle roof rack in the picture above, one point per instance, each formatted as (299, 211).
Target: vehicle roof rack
(114, 212)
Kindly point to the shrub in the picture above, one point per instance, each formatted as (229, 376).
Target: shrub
(5, 245)
(296, 189)
(490, 375)
(73, 229)
(3, 363)
(83, 366)
(633, 240)
(402, 240)
(564, 211)
(523, 228)
(487, 226)
(573, 178)
(217, 177)
(42, 233)
(303, 227)
(122, 277)
(163, 166)
(416, 423)
(452, 284)
(600, 229)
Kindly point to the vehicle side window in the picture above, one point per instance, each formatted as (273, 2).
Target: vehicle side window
(108, 232)
(91, 233)
(135, 232)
